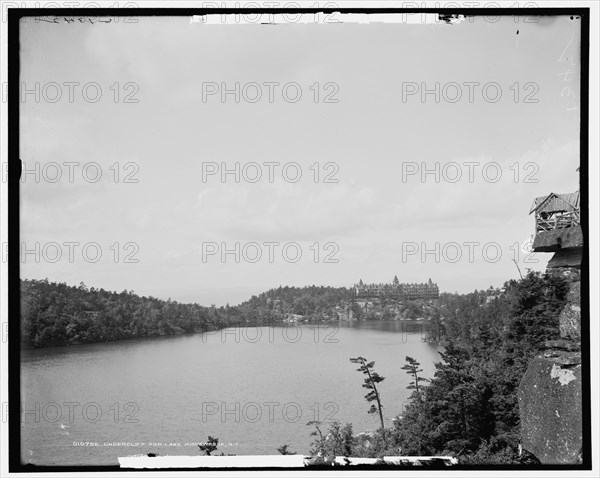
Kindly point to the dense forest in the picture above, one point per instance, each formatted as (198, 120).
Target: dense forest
(54, 314)
(313, 303)
(57, 314)
(469, 408)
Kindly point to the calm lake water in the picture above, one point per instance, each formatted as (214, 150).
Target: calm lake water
(254, 389)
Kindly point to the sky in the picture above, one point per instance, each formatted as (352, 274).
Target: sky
(360, 121)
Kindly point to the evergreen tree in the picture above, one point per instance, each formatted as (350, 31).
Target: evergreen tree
(370, 383)
(412, 368)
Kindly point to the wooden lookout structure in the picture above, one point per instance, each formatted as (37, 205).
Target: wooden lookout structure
(556, 211)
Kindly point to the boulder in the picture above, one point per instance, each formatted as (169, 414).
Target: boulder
(574, 294)
(570, 321)
(572, 274)
(562, 344)
(566, 258)
(550, 408)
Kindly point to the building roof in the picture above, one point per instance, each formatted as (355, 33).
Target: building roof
(556, 202)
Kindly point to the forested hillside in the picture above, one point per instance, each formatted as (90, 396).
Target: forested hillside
(58, 314)
(315, 303)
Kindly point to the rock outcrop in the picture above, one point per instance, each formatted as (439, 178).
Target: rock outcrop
(550, 404)
(550, 408)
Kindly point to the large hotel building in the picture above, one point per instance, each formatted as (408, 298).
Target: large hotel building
(396, 290)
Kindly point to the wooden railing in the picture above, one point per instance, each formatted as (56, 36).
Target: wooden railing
(558, 221)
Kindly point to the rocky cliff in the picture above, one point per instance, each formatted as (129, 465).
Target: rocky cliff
(550, 401)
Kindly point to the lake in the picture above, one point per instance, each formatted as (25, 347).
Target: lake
(252, 388)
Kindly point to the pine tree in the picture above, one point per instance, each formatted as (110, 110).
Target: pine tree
(412, 369)
(319, 442)
(371, 381)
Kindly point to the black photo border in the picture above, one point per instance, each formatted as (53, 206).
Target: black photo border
(15, 15)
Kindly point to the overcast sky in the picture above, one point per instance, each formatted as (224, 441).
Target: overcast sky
(372, 134)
